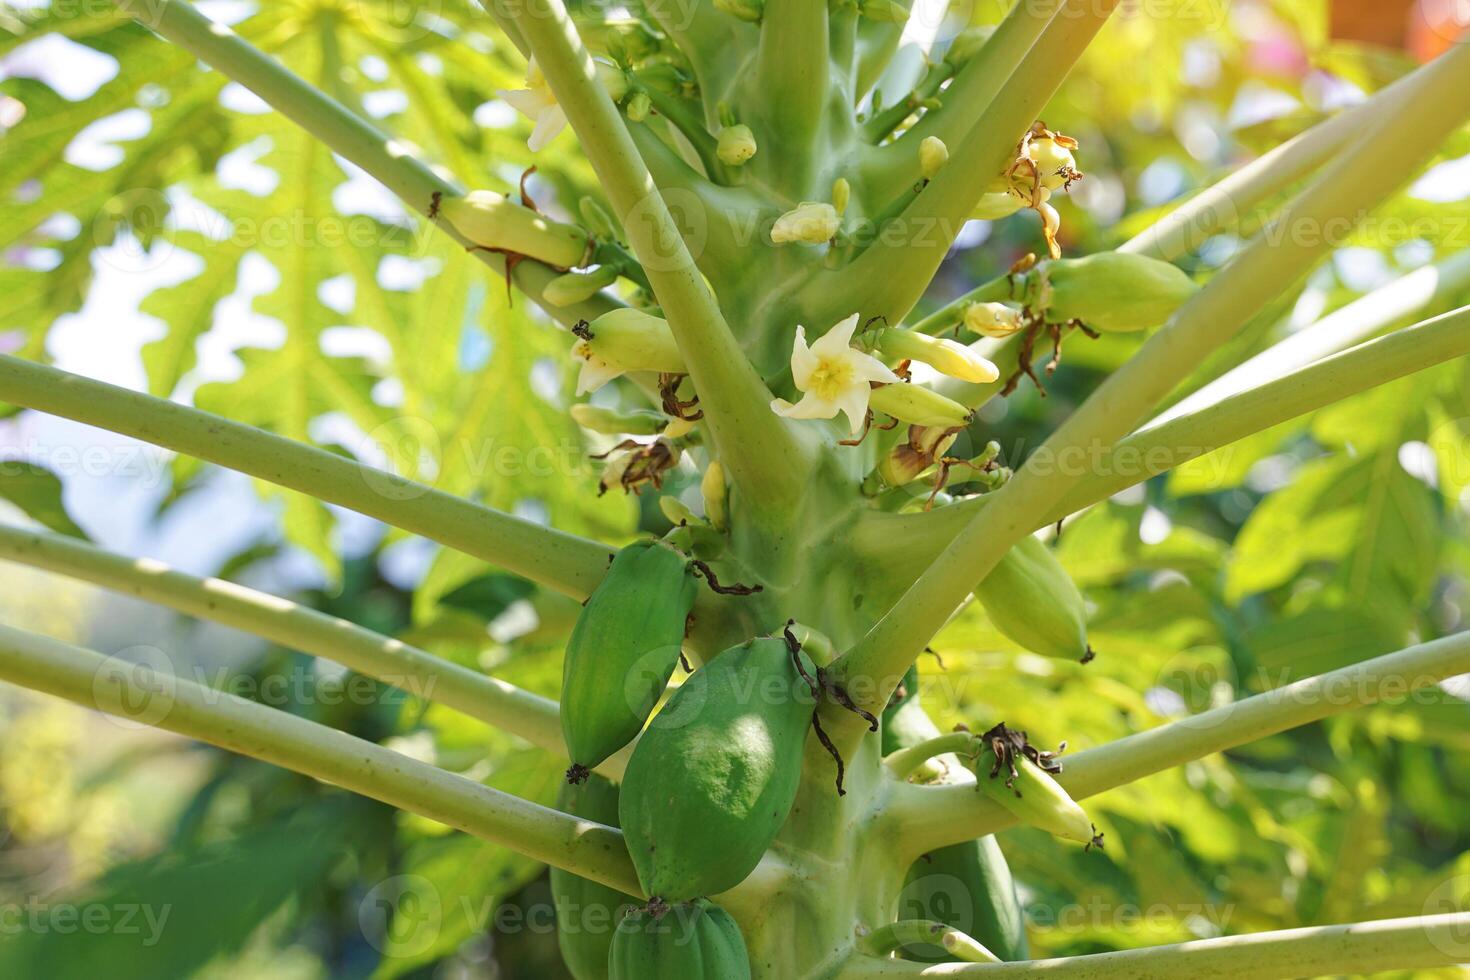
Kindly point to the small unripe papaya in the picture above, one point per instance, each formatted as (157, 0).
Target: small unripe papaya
(623, 651)
(492, 220)
(1115, 292)
(588, 912)
(632, 340)
(689, 941)
(1031, 599)
(713, 778)
(1015, 776)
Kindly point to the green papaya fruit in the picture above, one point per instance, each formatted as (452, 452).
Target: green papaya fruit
(967, 886)
(689, 941)
(623, 651)
(1032, 600)
(713, 778)
(588, 912)
(1018, 777)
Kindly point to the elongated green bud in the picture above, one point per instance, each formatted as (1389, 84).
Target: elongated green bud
(750, 10)
(614, 423)
(494, 221)
(1011, 773)
(809, 223)
(967, 44)
(716, 495)
(575, 287)
(736, 145)
(632, 340)
(918, 405)
(943, 355)
(1116, 292)
(597, 218)
(639, 106)
(933, 155)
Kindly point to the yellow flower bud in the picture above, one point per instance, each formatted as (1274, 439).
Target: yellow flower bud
(946, 356)
(933, 155)
(716, 505)
(809, 223)
(993, 319)
(736, 145)
(841, 193)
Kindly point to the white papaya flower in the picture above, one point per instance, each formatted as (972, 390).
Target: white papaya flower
(595, 372)
(832, 376)
(536, 103)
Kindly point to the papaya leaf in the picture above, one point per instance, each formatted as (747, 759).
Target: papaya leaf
(37, 492)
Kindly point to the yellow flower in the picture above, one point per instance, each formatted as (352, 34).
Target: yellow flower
(536, 103)
(833, 376)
